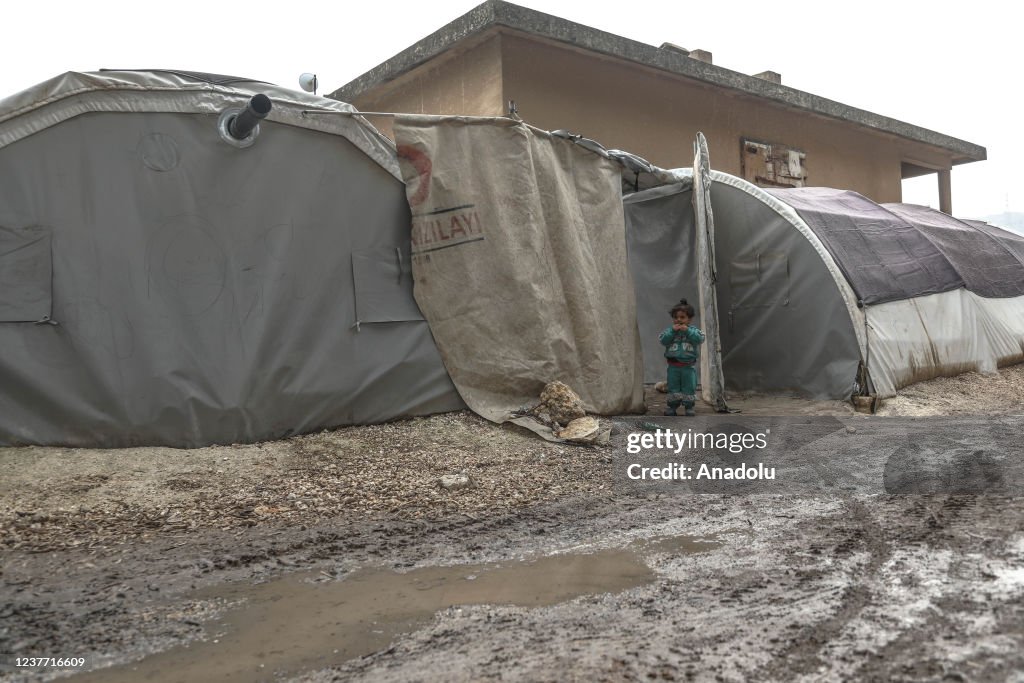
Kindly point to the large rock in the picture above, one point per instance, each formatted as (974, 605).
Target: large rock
(560, 402)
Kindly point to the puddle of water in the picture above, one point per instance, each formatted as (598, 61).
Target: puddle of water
(293, 624)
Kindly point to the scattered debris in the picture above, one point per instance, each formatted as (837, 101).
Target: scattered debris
(864, 404)
(584, 429)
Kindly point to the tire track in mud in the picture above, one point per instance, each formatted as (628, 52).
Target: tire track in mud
(817, 570)
(981, 632)
(910, 658)
(893, 531)
(802, 655)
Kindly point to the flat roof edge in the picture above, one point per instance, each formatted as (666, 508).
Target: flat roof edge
(497, 13)
(477, 20)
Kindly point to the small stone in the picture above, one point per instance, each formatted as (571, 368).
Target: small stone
(582, 429)
(453, 482)
(851, 430)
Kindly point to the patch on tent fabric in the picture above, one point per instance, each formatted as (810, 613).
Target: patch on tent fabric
(26, 274)
(444, 228)
(159, 152)
(759, 281)
(383, 286)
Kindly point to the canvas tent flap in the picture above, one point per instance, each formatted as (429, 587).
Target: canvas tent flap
(660, 234)
(26, 272)
(519, 263)
(382, 279)
(713, 380)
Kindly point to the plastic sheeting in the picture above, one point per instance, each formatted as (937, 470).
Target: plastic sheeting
(203, 293)
(661, 235)
(794, 326)
(787, 314)
(941, 335)
(519, 257)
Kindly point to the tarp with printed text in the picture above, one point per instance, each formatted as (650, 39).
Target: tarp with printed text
(519, 263)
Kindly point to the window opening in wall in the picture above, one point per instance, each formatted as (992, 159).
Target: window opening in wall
(772, 164)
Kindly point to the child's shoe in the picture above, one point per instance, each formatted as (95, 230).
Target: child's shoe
(671, 412)
(690, 412)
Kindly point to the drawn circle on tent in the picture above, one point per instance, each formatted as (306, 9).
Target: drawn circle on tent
(420, 162)
(159, 152)
(187, 267)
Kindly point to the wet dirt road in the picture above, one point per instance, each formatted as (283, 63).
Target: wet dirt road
(616, 587)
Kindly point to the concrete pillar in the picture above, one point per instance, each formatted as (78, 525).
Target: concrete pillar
(945, 192)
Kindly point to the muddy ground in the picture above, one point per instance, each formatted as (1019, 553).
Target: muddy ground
(541, 569)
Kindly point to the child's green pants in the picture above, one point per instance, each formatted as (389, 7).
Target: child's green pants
(682, 385)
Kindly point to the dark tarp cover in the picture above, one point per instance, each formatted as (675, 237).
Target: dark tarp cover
(985, 263)
(1013, 242)
(883, 257)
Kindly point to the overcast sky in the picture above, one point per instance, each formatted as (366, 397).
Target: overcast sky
(952, 67)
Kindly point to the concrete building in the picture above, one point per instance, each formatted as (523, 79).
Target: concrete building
(652, 101)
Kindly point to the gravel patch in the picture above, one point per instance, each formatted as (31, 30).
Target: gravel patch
(972, 393)
(55, 498)
(60, 498)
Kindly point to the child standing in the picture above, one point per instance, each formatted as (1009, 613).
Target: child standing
(682, 349)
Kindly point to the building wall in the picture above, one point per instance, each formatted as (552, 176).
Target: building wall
(657, 116)
(466, 81)
(644, 111)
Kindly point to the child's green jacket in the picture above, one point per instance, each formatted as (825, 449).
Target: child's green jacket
(682, 346)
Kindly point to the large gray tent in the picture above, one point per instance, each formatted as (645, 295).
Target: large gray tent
(824, 293)
(159, 285)
(162, 282)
